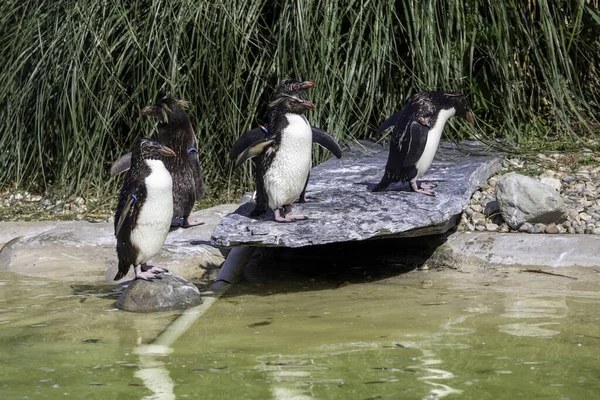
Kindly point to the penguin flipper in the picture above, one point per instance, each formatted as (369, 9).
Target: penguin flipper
(413, 142)
(121, 165)
(253, 150)
(246, 140)
(391, 121)
(196, 171)
(325, 140)
(125, 213)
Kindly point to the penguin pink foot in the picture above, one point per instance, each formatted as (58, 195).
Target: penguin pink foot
(420, 189)
(153, 269)
(188, 224)
(145, 275)
(288, 217)
(427, 186)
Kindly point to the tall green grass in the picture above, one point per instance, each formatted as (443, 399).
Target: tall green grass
(73, 74)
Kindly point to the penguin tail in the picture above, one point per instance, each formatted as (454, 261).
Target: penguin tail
(122, 272)
(258, 211)
(381, 185)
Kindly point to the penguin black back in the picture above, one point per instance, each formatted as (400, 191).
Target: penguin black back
(417, 130)
(175, 131)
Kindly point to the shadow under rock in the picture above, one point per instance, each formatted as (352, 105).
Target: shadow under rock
(327, 267)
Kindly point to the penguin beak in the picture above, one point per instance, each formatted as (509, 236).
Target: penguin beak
(149, 111)
(470, 117)
(307, 85)
(310, 105)
(166, 151)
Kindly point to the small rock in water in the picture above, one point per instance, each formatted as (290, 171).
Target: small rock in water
(172, 292)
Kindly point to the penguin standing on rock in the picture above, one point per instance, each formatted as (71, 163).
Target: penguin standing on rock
(417, 132)
(175, 131)
(145, 210)
(288, 87)
(285, 157)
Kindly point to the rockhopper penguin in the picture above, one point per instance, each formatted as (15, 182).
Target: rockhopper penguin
(285, 157)
(416, 136)
(288, 87)
(145, 210)
(175, 131)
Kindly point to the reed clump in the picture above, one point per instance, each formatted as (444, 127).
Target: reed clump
(75, 73)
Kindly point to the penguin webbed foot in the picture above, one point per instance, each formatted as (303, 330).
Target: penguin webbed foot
(419, 188)
(185, 223)
(146, 275)
(427, 186)
(188, 224)
(154, 269)
(287, 217)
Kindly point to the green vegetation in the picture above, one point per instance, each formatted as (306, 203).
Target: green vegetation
(75, 73)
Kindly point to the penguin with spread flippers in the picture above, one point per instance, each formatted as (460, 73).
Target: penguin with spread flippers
(284, 157)
(145, 209)
(288, 87)
(416, 136)
(175, 131)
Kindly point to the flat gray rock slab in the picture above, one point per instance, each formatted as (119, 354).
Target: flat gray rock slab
(481, 250)
(341, 207)
(81, 251)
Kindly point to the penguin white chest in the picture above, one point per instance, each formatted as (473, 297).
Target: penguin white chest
(288, 172)
(433, 141)
(155, 215)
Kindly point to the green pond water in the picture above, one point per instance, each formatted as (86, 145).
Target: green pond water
(419, 335)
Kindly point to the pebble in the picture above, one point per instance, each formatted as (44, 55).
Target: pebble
(478, 218)
(578, 184)
(552, 228)
(585, 217)
(525, 227)
(491, 227)
(477, 208)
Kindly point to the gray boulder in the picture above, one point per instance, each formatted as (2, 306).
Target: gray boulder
(523, 199)
(169, 293)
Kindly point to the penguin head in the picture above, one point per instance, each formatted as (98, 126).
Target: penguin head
(291, 104)
(148, 149)
(167, 109)
(453, 100)
(291, 87)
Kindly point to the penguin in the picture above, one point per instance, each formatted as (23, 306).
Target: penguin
(175, 131)
(416, 136)
(288, 87)
(285, 157)
(145, 209)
